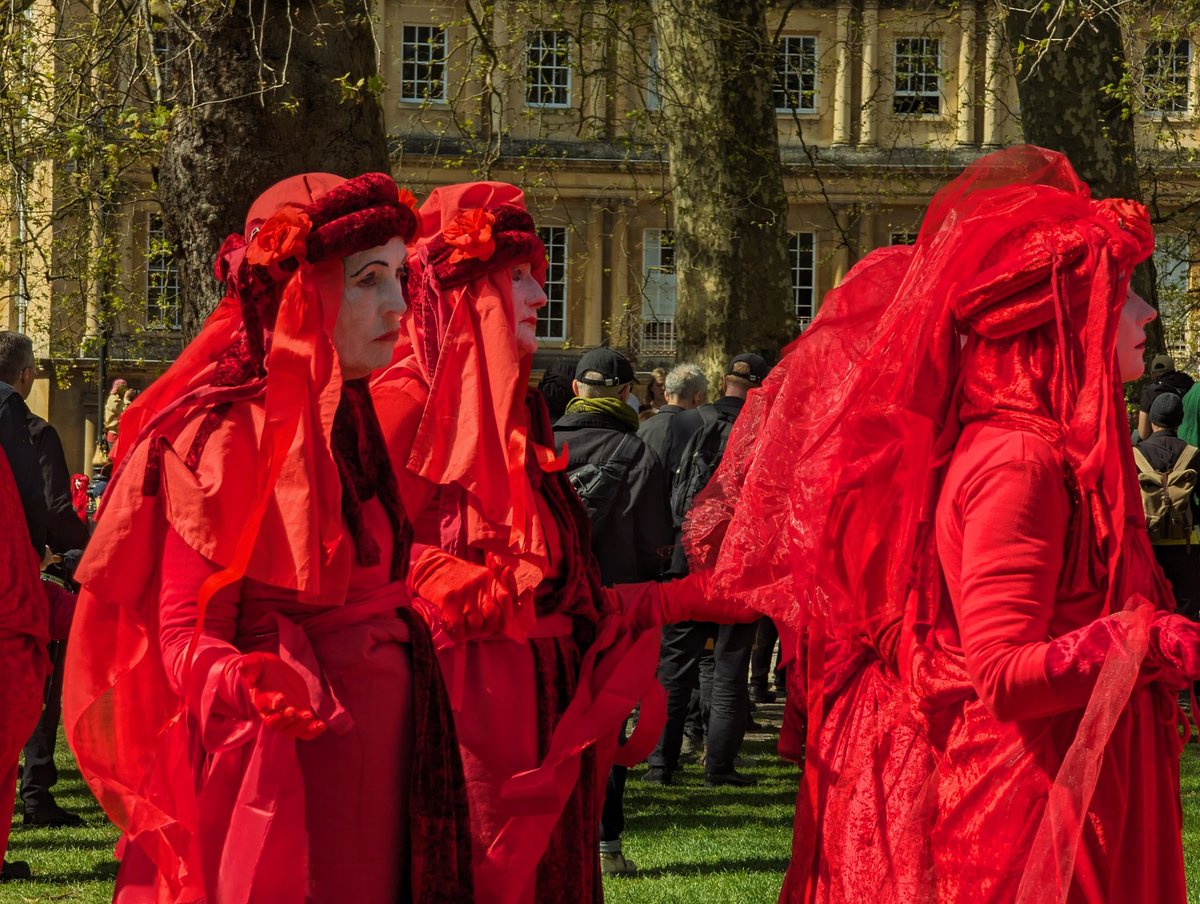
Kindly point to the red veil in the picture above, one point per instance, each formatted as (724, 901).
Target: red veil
(1005, 308)
(265, 502)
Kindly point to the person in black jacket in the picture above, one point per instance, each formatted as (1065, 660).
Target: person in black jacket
(66, 535)
(622, 485)
(1180, 559)
(16, 365)
(683, 644)
(686, 388)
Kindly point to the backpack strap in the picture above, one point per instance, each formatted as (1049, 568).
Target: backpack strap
(1143, 463)
(1184, 461)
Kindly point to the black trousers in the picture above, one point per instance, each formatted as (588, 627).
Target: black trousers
(678, 670)
(38, 773)
(612, 813)
(1181, 565)
(764, 652)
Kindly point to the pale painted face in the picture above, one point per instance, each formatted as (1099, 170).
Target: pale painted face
(528, 298)
(1131, 336)
(368, 323)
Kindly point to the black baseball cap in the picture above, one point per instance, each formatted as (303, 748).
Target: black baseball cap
(751, 368)
(603, 367)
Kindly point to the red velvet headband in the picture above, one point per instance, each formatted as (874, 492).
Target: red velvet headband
(351, 216)
(482, 240)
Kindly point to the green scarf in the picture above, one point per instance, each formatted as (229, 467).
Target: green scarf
(617, 408)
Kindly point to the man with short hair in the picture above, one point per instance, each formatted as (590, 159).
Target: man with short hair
(683, 643)
(622, 486)
(1163, 378)
(65, 533)
(685, 388)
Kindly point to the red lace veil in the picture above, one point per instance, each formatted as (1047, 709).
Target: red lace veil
(1006, 308)
(267, 503)
(474, 429)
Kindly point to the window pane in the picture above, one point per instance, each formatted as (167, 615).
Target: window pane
(1167, 68)
(423, 63)
(162, 278)
(548, 69)
(800, 253)
(552, 319)
(796, 73)
(918, 76)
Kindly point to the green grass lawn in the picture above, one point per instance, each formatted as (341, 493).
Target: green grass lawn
(694, 845)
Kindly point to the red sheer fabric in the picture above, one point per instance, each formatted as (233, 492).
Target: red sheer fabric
(232, 453)
(1002, 317)
(539, 708)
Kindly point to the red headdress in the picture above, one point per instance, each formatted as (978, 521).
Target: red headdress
(266, 500)
(474, 429)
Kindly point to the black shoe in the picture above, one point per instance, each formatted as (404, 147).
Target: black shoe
(656, 775)
(739, 779)
(15, 869)
(52, 816)
(763, 695)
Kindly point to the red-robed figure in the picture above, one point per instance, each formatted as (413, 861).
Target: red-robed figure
(991, 660)
(248, 693)
(541, 663)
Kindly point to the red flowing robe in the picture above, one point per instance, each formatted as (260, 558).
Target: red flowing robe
(24, 633)
(936, 789)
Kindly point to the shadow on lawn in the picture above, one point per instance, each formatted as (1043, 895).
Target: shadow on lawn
(680, 870)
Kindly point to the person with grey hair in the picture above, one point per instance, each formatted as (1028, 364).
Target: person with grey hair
(685, 387)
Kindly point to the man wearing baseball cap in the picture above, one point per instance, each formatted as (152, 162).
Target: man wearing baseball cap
(1163, 378)
(622, 486)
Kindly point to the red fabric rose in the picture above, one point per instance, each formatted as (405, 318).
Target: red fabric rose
(279, 239)
(470, 235)
(1133, 218)
(409, 200)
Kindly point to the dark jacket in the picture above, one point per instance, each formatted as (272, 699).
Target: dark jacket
(17, 444)
(64, 530)
(1162, 449)
(637, 530)
(667, 433)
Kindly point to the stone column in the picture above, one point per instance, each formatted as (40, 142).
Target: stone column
(593, 296)
(841, 84)
(993, 81)
(867, 112)
(966, 74)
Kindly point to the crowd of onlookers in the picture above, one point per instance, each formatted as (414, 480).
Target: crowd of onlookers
(637, 462)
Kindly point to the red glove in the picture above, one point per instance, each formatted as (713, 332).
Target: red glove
(275, 691)
(685, 599)
(1175, 643)
(473, 600)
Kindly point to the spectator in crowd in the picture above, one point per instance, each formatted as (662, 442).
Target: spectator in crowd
(17, 365)
(685, 388)
(113, 406)
(1163, 378)
(621, 484)
(656, 395)
(1164, 453)
(67, 536)
(683, 644)
(766, 638)
(555, 385)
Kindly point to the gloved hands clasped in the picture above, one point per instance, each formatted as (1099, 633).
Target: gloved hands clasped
(471, 600)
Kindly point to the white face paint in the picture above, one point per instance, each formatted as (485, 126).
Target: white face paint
(368, 322)
(528, 298)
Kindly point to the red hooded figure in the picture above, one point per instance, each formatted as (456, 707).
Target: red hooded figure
(991, 665)
(542, 664)
(248, 694)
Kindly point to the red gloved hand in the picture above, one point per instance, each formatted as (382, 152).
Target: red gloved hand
(276, 692)
(1175, 643)
(474, 600)
(684, 599)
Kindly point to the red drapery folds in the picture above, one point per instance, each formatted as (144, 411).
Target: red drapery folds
(1004, 312)
(262, 383)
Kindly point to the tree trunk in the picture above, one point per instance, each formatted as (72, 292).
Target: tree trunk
(1072, 102)
(266, 90)
(730, 207)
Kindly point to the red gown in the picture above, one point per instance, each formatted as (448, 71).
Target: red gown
(936, 789)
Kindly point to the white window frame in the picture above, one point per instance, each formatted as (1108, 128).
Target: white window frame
(1181, 72)
(552, 317)
(162, 279)
(535, 83)
(659, 292)
(784, 70)
(420, 50)
(911, 58)
(802, 257)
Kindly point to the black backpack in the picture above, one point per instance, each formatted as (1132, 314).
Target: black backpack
(699, 460)
(598, 484)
